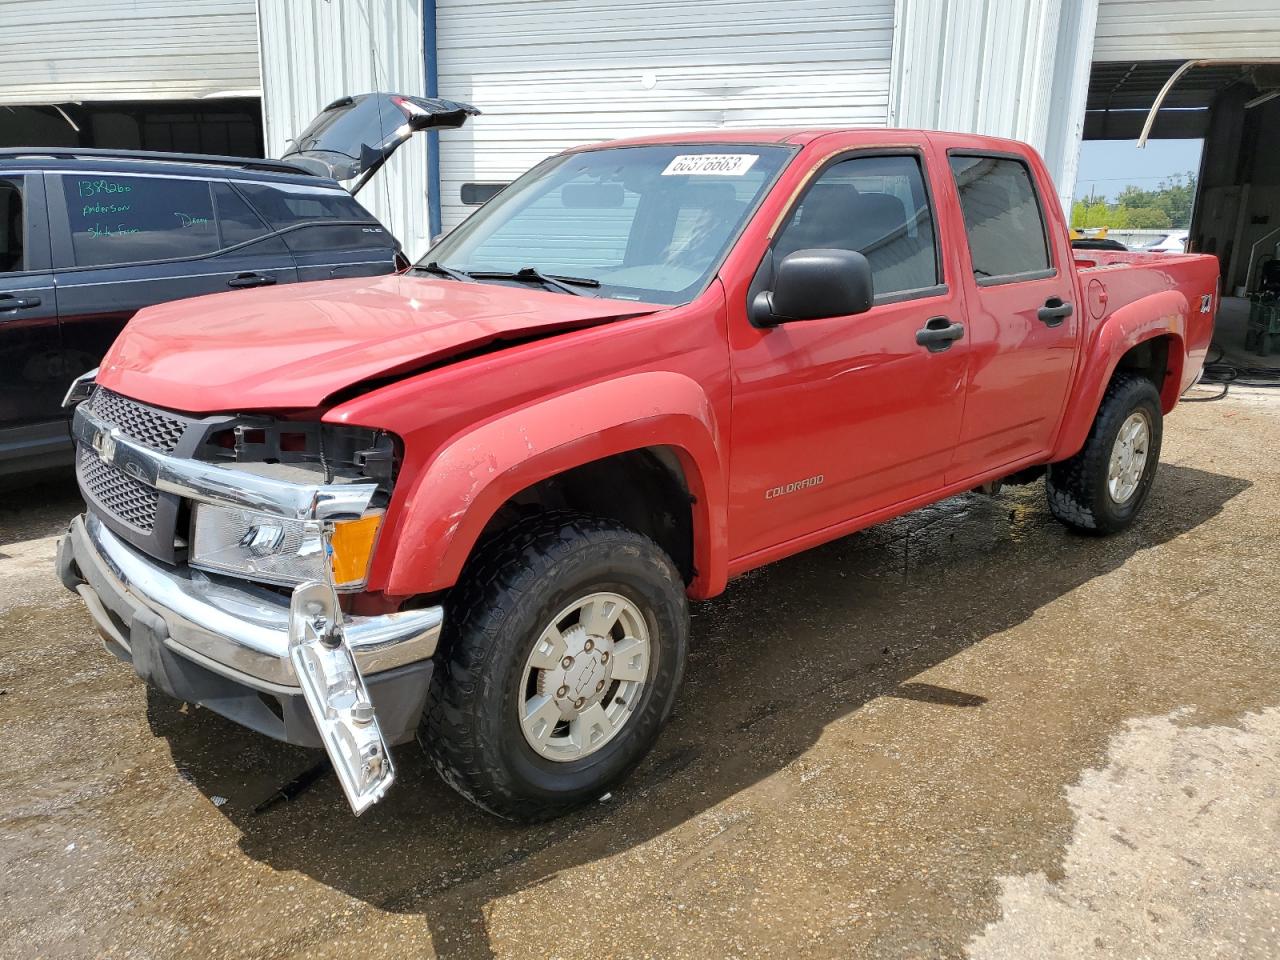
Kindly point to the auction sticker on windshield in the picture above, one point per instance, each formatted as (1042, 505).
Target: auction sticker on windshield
(710, 164)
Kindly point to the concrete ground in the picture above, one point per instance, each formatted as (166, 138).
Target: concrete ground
(964, 733)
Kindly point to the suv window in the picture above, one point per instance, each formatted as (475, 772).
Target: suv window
(12, 227)
(316, 217)
(120, 219)
(286, 205)
(1002, 217)
(237, 222)
(876, 206)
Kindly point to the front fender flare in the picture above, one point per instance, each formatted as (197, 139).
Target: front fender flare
(436, 522)
(1160, 314)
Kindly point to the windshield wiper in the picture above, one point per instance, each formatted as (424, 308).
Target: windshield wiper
(529, 274)
(440, 270)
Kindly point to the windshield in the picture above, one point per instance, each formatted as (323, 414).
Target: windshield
(647, 223)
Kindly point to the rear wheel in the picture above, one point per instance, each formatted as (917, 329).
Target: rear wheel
(564, 650)
(1103, 487)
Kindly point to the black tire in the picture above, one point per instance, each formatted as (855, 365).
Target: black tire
(510, 591)
(1077, 488)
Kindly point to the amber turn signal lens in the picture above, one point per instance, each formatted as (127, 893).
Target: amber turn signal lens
(352, 542)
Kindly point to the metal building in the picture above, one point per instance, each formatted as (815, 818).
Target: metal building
(549, 74)
(141, 74)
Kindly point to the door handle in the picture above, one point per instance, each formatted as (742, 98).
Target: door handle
(9, 302)
(1054, 311)
(251, 280)
(939, 333)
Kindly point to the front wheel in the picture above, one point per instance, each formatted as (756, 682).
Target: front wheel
(564, 650)
(1103, 487)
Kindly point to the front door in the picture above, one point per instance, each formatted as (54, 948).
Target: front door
(838, 418)
(33, 370)
(1022, 324)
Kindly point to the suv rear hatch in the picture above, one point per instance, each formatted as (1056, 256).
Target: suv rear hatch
(354, 136)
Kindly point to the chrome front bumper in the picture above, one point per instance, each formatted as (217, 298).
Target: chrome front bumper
(233, 647)
(242, 631)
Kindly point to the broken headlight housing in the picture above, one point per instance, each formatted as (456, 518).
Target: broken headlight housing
(284, 551)
(272, 549)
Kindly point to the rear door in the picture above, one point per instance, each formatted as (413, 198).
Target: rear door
(124, 241)
(1022, 324)
(34, 371)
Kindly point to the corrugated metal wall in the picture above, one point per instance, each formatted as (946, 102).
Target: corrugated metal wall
(549, 74)
(315, 51)
(1187, 29)
(60, 50)
(1006, 68)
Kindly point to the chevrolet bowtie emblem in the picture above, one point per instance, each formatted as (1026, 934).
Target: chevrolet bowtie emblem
(104, 445)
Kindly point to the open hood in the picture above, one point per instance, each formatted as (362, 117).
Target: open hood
(354, 136)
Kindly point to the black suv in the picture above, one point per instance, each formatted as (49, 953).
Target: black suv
(89, 237)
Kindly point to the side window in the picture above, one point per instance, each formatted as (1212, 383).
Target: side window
(124, 219)
(1002, 216)
(314, 218)
(237, 222)
(877, 206)
(12, 227)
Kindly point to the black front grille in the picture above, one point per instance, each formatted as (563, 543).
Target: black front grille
(134, 510)
(139, 423)
(125, 498)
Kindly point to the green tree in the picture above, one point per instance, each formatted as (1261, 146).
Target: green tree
(1177, 197)
(1147, 218)
(1169, 205)
(1096, 214)
(1174, 197)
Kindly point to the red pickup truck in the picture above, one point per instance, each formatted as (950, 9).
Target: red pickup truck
(471, 503)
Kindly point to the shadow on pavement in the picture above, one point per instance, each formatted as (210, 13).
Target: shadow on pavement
(37, 504)
(787, 650)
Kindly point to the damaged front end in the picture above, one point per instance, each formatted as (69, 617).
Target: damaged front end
(217, 568)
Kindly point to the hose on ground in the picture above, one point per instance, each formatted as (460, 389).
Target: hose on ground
(1227, 375)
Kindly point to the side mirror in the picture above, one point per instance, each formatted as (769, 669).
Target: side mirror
(814, 284)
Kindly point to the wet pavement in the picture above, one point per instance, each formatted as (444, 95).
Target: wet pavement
(964, 733)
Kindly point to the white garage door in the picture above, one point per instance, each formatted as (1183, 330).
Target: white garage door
(550, 74)
(1186, 29)
(62, 50)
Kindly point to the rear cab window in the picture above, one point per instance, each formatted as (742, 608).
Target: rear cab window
(1003, 218)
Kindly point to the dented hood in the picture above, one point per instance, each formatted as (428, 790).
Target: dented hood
(293, 346)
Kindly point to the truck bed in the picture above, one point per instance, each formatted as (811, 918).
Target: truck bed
(1112, 279)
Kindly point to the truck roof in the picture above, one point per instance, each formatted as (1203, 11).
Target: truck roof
(804, 135)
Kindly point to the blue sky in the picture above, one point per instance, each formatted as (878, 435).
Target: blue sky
(1111, 165)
